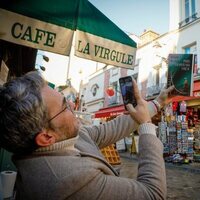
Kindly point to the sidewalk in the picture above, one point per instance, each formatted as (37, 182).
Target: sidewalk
(192, 167)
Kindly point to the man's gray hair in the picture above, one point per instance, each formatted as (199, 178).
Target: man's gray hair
(22, 113)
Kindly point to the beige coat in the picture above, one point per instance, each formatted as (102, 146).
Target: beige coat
(85, 175)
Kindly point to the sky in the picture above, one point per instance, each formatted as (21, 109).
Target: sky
(133, 16)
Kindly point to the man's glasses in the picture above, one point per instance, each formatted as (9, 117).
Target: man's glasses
(67, 106)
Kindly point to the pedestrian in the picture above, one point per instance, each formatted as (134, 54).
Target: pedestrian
(58, 158)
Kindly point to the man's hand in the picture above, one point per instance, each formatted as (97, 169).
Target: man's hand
(140, 113)
(162, 97)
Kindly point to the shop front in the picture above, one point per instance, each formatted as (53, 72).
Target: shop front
(179, 129)
(107, 114)
(111, 112)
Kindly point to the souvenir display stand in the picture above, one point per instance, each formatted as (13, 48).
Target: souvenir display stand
(179, 131)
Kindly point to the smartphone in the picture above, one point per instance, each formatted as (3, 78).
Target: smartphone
(126, 86)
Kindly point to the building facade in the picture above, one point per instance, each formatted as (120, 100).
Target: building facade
(182, 38)
(151, 65)
(92, 93)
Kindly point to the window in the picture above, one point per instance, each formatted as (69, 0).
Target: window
(190, 49)
(189, 12)
(190, 8)
(187, 50)
(157, 74)
(187, 9)
(193, 7)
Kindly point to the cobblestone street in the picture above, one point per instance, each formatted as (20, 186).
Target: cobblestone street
(181, 184)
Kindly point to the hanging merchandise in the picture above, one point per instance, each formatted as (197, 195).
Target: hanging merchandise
(183, 107)
(175, 106)
(190, 117)
(168, 112)
(179, 132)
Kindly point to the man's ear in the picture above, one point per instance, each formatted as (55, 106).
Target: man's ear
(45, 138)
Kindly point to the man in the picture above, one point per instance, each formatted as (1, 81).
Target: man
(58, 158)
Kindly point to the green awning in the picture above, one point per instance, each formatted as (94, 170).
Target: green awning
(51, 26)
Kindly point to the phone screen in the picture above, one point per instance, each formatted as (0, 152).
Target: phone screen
(126, 86)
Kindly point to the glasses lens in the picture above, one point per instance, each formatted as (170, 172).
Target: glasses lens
(66, 106)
